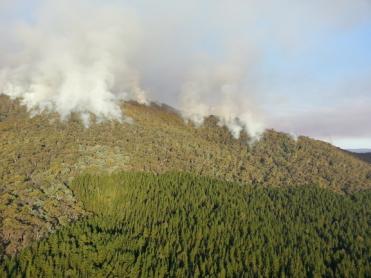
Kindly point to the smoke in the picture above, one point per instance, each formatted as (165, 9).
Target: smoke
(67, 64)
(216, 90)
(203, 58)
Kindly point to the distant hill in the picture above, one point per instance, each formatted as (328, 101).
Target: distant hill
(40, 156)
(363, 156)
(359, 150)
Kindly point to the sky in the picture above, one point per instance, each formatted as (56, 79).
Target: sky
(303, 67)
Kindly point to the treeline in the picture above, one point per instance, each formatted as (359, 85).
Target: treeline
(179, 225)
(364, 156)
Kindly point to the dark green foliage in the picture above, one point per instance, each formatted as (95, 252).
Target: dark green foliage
(186, 226)
(40, 155)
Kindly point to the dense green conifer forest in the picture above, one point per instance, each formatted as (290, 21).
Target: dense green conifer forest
(41, 155)
(180, 225)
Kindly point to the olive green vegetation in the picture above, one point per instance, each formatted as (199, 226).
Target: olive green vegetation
(180, 225)
(40, 155)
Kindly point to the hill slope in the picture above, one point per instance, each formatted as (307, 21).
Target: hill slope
(180, 225)
(40, 156)
(364, 156)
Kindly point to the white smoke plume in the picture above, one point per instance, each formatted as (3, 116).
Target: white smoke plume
(71, 61)
(85, 56)
(216, 90)
(203, 58)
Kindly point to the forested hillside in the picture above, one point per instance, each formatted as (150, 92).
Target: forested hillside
(180, 225)
(40, 155)
(364, 156)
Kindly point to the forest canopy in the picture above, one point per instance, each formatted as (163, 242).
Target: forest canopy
(41, 155)
(182, 225)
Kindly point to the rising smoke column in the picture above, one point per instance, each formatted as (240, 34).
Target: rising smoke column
(218, 90)
(203, 57)
(84, 56)
(74, 60)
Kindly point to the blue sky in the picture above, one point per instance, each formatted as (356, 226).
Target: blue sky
(310, 61)
(328, 79)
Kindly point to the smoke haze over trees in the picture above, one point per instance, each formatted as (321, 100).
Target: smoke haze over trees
(215, 57)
